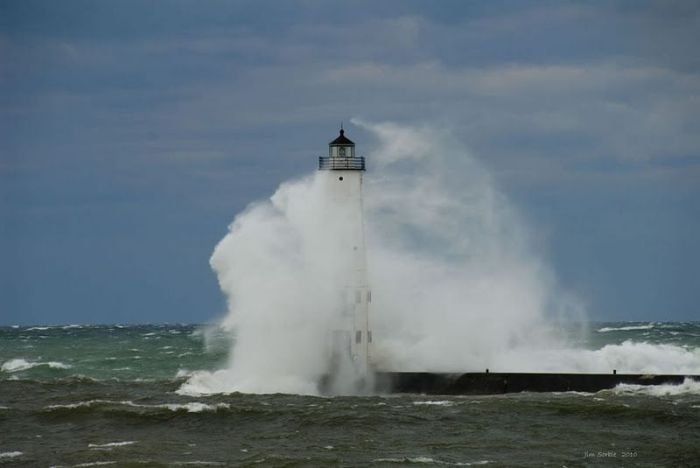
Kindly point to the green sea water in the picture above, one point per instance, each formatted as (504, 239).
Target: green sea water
(108, 395)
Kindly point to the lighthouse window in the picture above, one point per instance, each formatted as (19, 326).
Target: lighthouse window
(340, 178)
(369, 337)
(369, 296)
(358, 336)
(341, 151)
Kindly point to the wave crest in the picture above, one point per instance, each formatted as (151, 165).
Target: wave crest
(688, 387)
(19, 364)
(189, 407)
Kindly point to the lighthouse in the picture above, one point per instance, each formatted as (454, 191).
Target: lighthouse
(351, 337)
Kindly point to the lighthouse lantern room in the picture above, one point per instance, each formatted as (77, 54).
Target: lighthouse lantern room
(341, 156)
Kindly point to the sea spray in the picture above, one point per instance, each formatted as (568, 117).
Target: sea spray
(454, 280)
(688, 387)
(629, 357)
(457, 284)
(284, 268)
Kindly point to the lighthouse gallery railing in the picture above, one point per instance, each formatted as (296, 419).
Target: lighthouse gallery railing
(334, 163)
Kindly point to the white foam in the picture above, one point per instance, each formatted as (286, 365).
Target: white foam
(19, 364)
(80, 404)
(627, 328)
(199, 462)
(191, 407)
(195, 407)
(95, 463)
(10, 454)
(688, 387)
(110, 445)
(629, 357)
(429, 461)
(16, 365)
(433, 403)
(57, 365)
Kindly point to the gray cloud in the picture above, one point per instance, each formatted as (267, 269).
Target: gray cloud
(208, 105)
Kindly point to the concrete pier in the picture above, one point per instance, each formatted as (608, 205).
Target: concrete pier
(489, 383)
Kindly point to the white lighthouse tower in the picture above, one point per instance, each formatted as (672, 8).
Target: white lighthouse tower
(351, 336)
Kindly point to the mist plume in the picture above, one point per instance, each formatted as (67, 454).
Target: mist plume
(457, 284)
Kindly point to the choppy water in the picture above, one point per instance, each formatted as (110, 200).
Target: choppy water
(91, 396)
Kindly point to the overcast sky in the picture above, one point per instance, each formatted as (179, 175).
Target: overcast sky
(132, 132)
